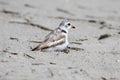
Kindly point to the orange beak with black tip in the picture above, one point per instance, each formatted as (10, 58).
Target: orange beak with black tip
(72, 26)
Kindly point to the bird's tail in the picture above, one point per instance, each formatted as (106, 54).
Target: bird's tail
(36, 48)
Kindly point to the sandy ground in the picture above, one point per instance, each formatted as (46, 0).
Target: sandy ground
(95, 41)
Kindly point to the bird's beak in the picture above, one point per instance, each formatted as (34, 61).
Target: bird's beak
(72, 26)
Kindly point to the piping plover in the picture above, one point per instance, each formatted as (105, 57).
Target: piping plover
(57, 40)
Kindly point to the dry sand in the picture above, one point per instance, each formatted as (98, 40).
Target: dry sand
(97, 35)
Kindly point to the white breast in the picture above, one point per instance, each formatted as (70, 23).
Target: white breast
(64, 45)
(59, 47)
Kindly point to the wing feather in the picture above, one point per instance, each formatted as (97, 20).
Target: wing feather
(52, 39)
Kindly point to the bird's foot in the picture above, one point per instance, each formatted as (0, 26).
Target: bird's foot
(66, 51)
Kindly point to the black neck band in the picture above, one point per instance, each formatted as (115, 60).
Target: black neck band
(63, 30)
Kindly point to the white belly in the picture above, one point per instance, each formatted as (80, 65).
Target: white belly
(62, 47)
(58, 48)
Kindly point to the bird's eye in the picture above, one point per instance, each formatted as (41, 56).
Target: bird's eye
(69, 24)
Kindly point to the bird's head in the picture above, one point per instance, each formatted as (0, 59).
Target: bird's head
(66, 25)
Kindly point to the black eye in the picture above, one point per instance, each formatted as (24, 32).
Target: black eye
(69, 24)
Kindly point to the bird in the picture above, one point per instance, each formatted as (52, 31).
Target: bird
(56, 40)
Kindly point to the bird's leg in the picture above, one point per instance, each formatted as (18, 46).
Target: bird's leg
(66, 50)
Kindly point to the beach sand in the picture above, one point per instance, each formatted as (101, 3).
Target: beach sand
(95, 43)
